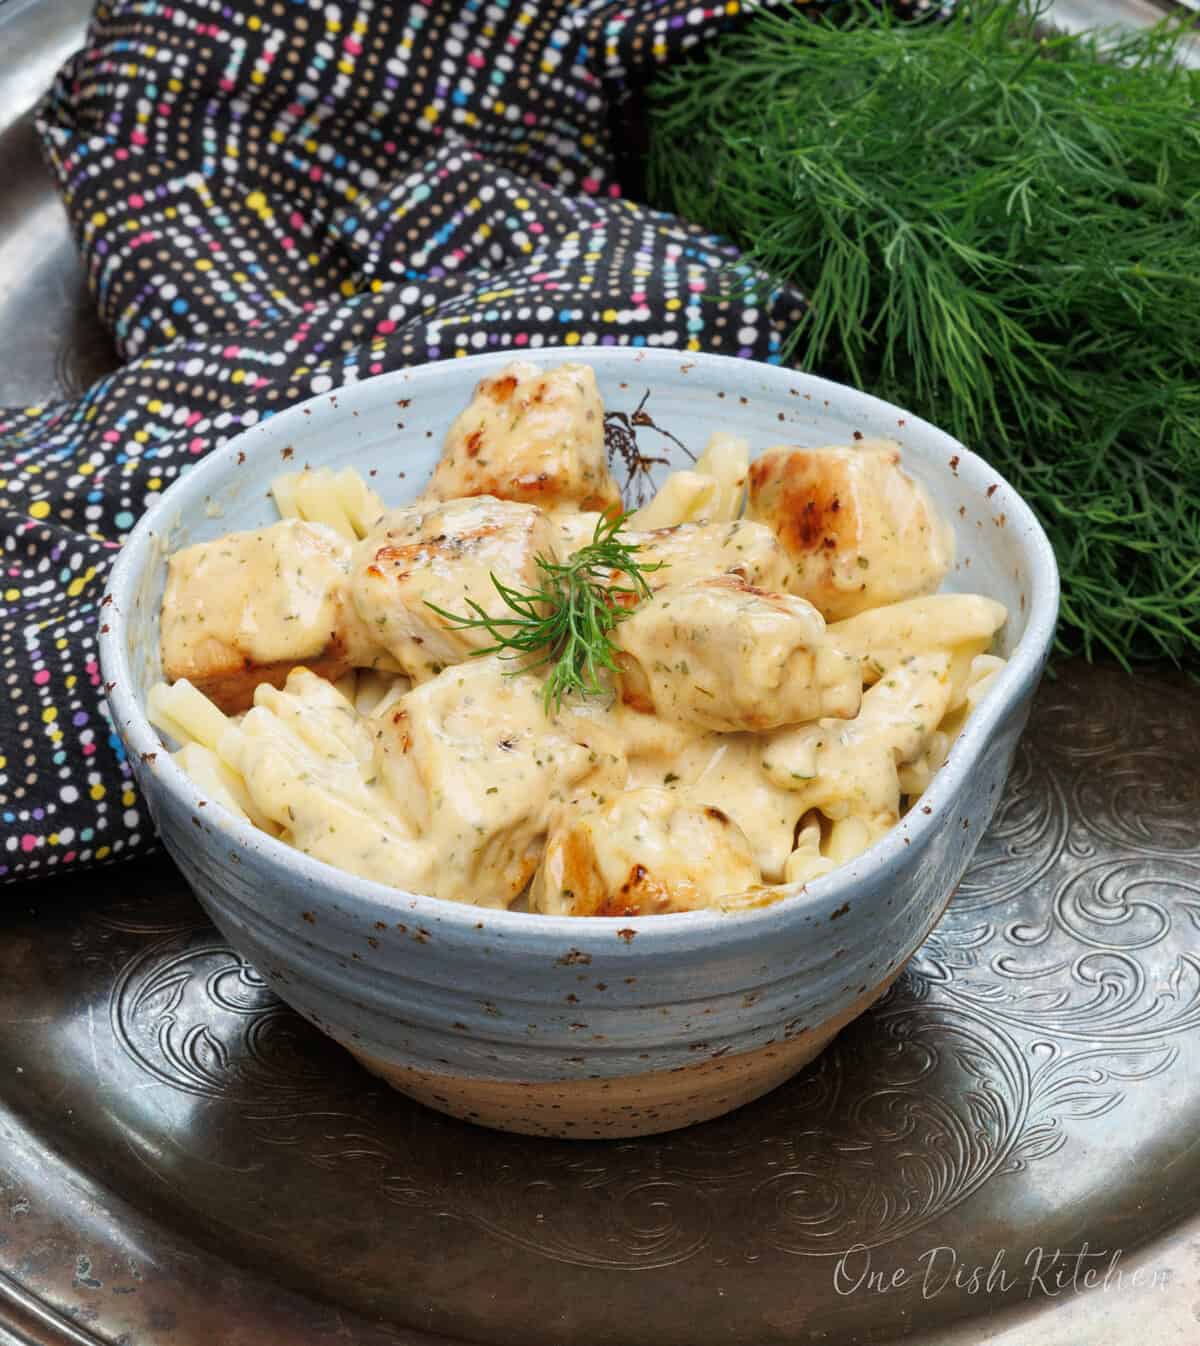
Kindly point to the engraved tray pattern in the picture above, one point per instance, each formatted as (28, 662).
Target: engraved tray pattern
(1026, 1084)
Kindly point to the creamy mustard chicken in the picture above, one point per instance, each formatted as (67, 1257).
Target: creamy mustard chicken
(859, 530)
(779, 692)
(445, 554)
(533, 435)
(645, 853)
(248, 608)
(724, 655)
(692, 551)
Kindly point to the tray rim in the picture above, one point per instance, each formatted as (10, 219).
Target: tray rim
(28, 1319)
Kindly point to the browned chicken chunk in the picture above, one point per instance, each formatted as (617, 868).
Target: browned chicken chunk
(647, 852)
(249, 607)
(445, 554)
(723, 655)
(859, 530)
(532, 435)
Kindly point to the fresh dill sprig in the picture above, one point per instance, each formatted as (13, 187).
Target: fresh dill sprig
(567, 623)
(999, 228)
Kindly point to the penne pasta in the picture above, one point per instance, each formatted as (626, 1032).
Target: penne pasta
(341, 501)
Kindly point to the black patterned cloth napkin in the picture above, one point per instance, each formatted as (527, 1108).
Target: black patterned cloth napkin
(273, 198)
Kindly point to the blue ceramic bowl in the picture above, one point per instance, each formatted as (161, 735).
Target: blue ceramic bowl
(555, 1025)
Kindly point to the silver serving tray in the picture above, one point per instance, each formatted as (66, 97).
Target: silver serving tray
(1006, 1151)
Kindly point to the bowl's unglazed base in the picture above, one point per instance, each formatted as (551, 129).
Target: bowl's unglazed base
(625, 1105)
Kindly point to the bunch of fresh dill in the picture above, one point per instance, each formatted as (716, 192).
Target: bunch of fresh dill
(1000, 230)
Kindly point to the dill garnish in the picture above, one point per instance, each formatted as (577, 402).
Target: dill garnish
(568, 622)
(1000, 229)
(621, 441)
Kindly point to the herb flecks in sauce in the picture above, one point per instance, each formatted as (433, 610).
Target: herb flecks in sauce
(568, 623)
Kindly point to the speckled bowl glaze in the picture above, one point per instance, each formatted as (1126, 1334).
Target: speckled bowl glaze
(553, 1025)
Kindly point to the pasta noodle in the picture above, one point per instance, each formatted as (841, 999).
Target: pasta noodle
(711, 492)
(685, 497)
(341, 501)
(210, 745)
(187, 714)
(727, 461)
(883, 636)
(215, 778)
(807, 862)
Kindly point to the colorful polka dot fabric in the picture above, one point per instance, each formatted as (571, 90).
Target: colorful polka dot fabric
(276, 197)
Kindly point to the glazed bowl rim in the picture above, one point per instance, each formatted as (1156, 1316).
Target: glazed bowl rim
(710, 927)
